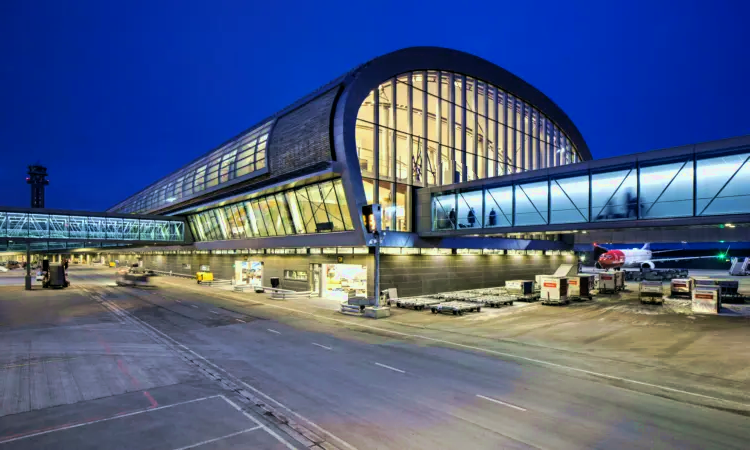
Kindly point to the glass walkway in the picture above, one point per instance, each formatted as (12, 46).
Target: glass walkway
(687, 186)
(33, 225)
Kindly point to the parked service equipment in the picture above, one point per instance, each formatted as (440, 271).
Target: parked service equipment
(522, 287)
(493, 301)
(554, 290)
(706, 300)
(607, 283)
(55, 277)
(580, 286)
(740, 267)
(455, 308)
(651, 292)
(619, 280)
(204, 276)
(416, 303)
(681, 287)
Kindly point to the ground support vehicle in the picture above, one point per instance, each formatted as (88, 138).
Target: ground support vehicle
(455, 307)
(681, 287)
(55, 277)
(651, 292)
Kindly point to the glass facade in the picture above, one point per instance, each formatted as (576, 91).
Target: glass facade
(54, 226)
(430, 128)
(316, 208)
(242, 156)
(646, 191)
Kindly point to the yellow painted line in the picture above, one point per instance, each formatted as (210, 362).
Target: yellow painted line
(11, 366)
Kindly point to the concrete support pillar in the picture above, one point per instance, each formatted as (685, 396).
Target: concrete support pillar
(88, 259)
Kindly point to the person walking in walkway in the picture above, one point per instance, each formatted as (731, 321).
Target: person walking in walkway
(493, 218)
(472, 217)
(452, 218)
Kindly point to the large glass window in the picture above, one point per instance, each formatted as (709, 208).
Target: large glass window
(444, 212)
(569, 198)
(666, 190)
(613, 195)
(244, 155)
(531, 203)
(498, 207)
(723, 185)
(470, 209)
(443, 128)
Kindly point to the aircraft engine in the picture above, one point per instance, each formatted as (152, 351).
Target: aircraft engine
(647, 265)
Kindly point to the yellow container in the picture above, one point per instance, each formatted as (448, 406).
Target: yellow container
(112, 264)
(204, 276)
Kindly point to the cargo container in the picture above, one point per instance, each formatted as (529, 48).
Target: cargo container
(520, 287)
(681, 287)
(651, 292)
(554, 290)
(580, 286)
(706, 300)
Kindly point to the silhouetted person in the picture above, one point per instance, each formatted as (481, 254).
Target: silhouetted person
(632, 204)
(472, 217)
(493, 218)
(452, 218)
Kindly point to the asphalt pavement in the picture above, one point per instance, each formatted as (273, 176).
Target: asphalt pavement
(355, 383)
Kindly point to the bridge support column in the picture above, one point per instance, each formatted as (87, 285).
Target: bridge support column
(28, 266)
(88, 259)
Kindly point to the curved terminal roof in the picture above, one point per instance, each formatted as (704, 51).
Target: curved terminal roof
(318, 129)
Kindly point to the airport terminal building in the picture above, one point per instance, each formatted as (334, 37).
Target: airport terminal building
(481, 178)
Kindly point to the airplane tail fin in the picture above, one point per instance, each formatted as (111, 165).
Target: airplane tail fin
(646, 246)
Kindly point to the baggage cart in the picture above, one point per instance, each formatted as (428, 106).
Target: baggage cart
(706, 300)
(607, 283)
(681, 287)
(493, 301)
(456, 308)
(415, 303)
(554, 290)
(580, 287)
(651, 292)
(619, 280)
(522, 287)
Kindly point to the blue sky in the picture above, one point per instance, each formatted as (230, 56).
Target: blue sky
(111, 96)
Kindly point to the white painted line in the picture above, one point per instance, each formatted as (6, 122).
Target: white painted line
(486, 350)
(118, 312)
(389, 367)
(272, 331)
(219, 438)
(178, 301)
(322, 346)
(240, 320)
(265, 428)
(214, 312)
(194, 306)
(68, 427)
(502, 403)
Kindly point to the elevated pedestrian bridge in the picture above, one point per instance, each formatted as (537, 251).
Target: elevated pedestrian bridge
(697, 185)
(68, 229)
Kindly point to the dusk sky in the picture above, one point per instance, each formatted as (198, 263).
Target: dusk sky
(112, 96)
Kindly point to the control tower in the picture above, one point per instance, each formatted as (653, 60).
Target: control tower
(37, 179)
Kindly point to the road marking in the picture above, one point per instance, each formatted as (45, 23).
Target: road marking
(116, 310)
(194, 306)
(389, 367)
(272, 331)
(214, 312)
(265, 428)
(219, 438)
(10, 366)
(321, 346)
(151, 399)
(178, 301)
(486, 350)
(240, 320)
(90, 422)
(502, 403)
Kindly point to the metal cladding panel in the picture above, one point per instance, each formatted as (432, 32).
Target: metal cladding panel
(302, 137)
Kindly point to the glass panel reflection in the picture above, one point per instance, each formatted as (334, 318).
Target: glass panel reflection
(667, 190)
(498, 207)
(531, 203)
(570, 200)
(470, 209)
(444, 212)
(613, 195)
(723, 185)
